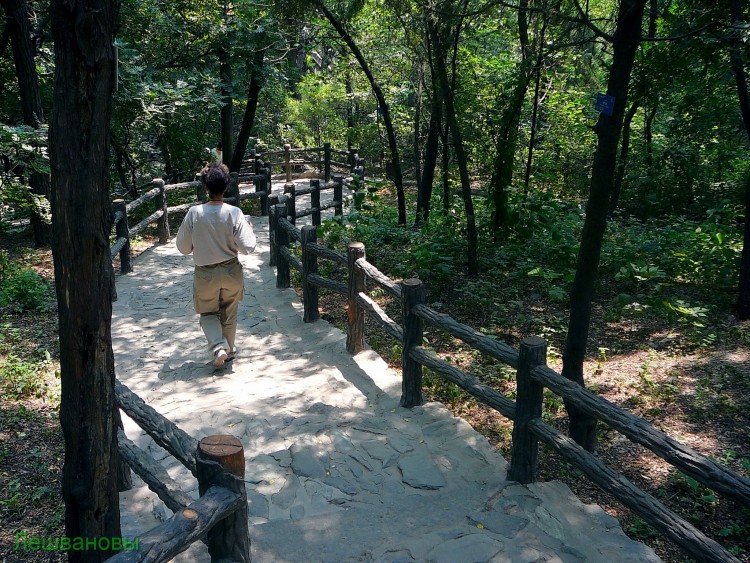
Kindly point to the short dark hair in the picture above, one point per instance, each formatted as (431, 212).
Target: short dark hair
(217, 179)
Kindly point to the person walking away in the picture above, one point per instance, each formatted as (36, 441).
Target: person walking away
(215, 233)
(216, 154)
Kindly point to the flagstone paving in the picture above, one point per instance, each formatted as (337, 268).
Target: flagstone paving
(336, 471)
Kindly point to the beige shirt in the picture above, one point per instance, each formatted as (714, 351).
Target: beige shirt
(215, 233)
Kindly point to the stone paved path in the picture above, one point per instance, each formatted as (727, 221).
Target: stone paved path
(336, 470)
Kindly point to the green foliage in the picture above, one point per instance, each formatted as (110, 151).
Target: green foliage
(318, 115)
(21, 288)
(26, 151)
(21, 378)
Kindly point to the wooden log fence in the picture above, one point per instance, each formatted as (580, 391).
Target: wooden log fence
(219, 517)
(532, 377)
(121, 211)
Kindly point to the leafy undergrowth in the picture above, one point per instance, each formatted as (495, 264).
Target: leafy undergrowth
(31, 445)
(663, 343)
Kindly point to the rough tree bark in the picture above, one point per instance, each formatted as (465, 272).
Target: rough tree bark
(19, 31)
(625, 41)
(79, 146)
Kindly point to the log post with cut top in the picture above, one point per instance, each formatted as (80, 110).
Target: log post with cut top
(221, 462)
(529, 398)
(355, 336)
(412, 293)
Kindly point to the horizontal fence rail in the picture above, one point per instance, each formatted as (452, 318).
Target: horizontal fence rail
(532, 377)
(219, 517)
(254, 171)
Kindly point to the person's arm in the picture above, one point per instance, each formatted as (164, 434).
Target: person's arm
(184, 241)
(244, 236)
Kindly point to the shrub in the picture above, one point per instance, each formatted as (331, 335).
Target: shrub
(22, 289)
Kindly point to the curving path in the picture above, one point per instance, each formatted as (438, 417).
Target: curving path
(336, 470)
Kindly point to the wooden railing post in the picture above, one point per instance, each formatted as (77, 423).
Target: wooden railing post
(162, 224)
(288, 162)
(359, 199)
(282, 239)
(338, 195)
(254, 160)
(221, 462)
(412, 293)
(234, 188)
(263, 185)
(290, 189)
(315, 201)
(529, 398)
(355, 336)
(123, 231)
(309, 266)
(326, 162)
(273, 201)
(352, 157)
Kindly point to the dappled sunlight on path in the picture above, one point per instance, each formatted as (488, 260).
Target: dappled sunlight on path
(335, 469)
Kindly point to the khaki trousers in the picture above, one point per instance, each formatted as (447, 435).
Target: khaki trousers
(217, 292)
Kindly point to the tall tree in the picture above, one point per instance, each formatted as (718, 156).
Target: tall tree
(447, 93)
(625, 41)
(79, 146)
(19, 30)
(737, 9)
(384, 108)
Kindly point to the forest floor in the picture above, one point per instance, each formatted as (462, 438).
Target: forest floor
(698, 393)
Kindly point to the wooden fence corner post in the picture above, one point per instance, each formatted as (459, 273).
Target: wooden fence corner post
(288, 162)
(529, 396)
(281, 239)
(315, 201)
(162, 225)
(234, 188)
(123, 231)
(290, 189)
(338, 195)
(355, 335)
(309, 266)
(273, 201)
(263, 185)
(412, 293)
(326, 162)
(221, 462)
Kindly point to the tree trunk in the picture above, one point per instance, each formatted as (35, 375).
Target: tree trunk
(625, 42)
(248, 120)
(398, 177)
(424, 194)
(447, 95)
(445, 168)
(507, 138)
(738, 66)
(350, 110)
(418, 127)
(19, 30)
(623, 161)
(227, 109)
(79, 148)
(532, 132)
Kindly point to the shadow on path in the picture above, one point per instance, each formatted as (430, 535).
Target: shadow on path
(335, 469)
